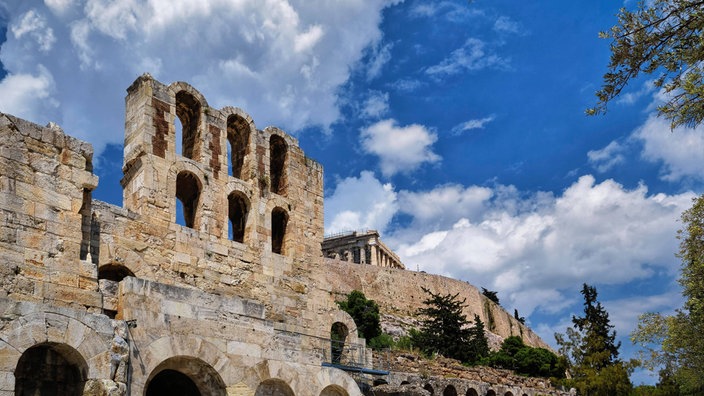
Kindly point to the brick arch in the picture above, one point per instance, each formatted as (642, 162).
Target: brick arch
(133, 261)
(182, 346)
(35, 328)
(178, 86)
(232, 186)
(195, 371)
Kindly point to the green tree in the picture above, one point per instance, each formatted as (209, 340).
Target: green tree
(446, 331)
(592, 352)
(478, 343)
(661, 38)
(365, 314)
(491, 295)
(675, 343)
(534, 362)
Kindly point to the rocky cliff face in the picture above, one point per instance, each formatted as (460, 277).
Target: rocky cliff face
(399, 295)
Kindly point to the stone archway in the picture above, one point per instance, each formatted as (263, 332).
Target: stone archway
(273, 387)
(51, 369)
(189, 375)
(333, 390)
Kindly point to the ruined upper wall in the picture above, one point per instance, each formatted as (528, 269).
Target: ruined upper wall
(45, 186)
(234, 181)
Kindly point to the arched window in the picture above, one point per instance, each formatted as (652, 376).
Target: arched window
(188, 112)
(238, 139)
(277, 164)
(279, 220)
(238, 207)
(188, 189)
(273, 387)
(51, 369)
(338, 335)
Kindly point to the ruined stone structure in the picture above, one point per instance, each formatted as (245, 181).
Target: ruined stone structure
(360, 248)
(209, 280)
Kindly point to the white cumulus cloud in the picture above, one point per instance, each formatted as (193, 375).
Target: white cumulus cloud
(281, 61)
(400, 149)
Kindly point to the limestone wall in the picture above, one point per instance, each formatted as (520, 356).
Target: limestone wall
(398, 293)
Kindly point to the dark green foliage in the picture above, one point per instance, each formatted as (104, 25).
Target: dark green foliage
(491, 295)
(662, 38)
(478, 343)
(364, 312)
(533, 362)
(446, 331)
(382, 341)
(520, 319)
(592, 353)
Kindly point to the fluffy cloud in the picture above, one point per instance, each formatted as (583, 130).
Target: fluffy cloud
(376, 105)
(360, 203)
(400, 149)
(536, 249)
(531, 248)
(282, 61)
(680, 151)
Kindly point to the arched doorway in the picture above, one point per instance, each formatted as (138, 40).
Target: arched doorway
(449, 391)
(472, 392)
(430, 389)
(333, 390)
(186, 376)
(172, 382)
(50, 369)
(273, 387)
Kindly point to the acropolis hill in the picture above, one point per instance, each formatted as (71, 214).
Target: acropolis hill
(234, 298)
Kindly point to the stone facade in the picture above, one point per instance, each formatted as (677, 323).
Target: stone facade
(361, 248)
(209, 280)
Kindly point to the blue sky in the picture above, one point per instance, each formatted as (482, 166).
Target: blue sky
(455, 128)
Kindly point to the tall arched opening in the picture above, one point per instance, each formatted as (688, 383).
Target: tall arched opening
(188, 113)
(338, 336)
(188, 189)
(238, 208)
(279, 221)
(238, 143)
(278, 151)
(51, 369)
(449, 391)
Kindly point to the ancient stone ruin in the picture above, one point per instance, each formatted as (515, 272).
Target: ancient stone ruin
(360, 248)
(210, 280)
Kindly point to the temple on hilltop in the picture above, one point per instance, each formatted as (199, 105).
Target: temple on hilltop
(360, 247)
(209, 280)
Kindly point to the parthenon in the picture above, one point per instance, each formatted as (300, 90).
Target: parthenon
(363, 247)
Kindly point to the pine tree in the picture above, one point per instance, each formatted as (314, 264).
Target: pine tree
(365, 314)
(592, 351)
(478, 343)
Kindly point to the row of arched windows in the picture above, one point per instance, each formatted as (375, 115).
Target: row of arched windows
(188, 192)
(188, 113)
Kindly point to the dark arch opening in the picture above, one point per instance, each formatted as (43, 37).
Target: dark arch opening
(238, 207)
(333, 390)
(114, 272)
(184, 375)
(449, 391)
(273, 387)
(238, 139)
(50, 369)
(405, 383)
(188, 112)
(338, 336)
(508, 394)
(277, 164)
(172, 382)
(279, 220)
(490, 393)
(187, 194)
(472, 392)
(430, 389)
